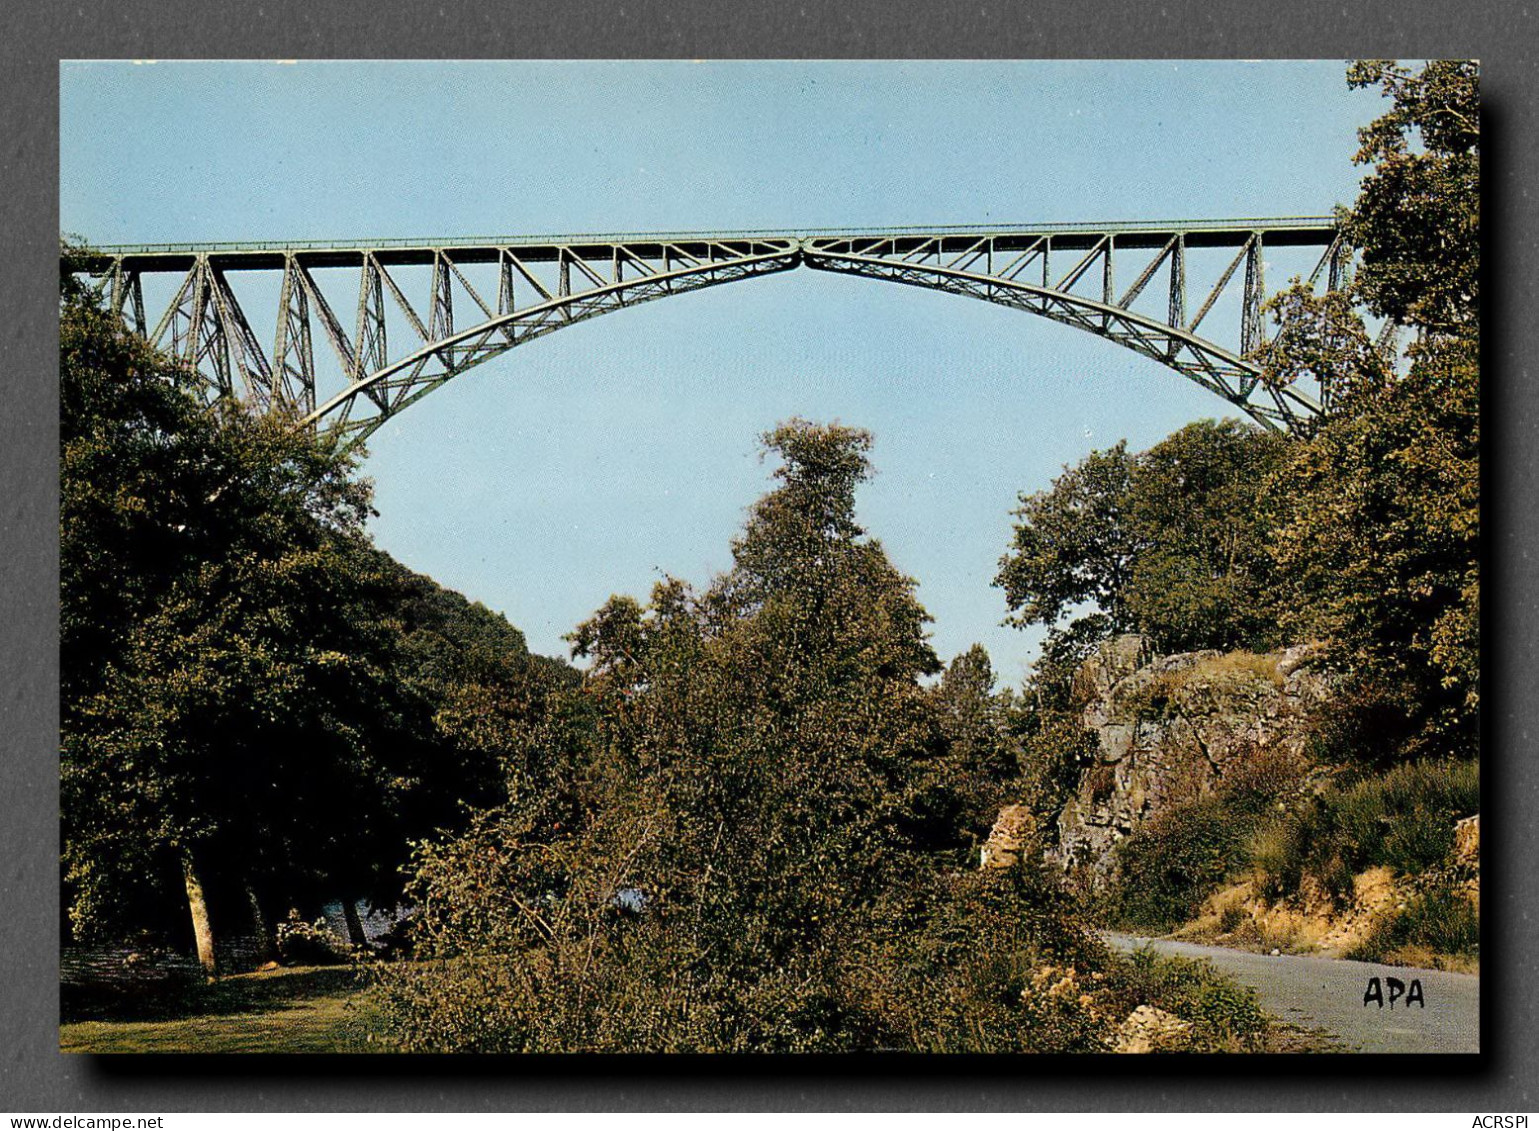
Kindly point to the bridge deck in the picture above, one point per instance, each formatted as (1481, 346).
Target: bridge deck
(264, 255)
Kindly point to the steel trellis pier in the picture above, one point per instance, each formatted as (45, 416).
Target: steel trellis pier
(397, 353)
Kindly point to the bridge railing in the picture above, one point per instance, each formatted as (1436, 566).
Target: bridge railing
(1270, 223)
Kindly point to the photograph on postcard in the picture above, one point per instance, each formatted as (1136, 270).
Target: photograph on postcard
(793, 662)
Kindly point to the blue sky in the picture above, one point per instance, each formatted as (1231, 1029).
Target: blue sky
(595, 460)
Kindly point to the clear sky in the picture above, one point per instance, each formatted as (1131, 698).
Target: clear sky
(595, 460)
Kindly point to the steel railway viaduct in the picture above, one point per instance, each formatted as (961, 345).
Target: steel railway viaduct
(1186, 294)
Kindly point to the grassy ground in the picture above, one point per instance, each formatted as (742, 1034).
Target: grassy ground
(301, 1009)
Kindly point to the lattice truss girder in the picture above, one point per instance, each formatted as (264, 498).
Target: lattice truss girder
(422, 315)
(1132, 287)
(481, 301)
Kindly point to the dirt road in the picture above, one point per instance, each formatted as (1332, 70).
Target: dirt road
(1327, 993)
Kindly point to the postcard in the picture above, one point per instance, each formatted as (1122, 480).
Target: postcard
(770, 557)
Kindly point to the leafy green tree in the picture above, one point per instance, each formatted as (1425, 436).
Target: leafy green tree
(764, 813)
(481, 695)
(973, 779)
(252, 696)
(219, 682)
(1380, 510)
(1203, 577)
(1074, 545)
(1170, 542)
(1381, 543)
(1321, 337)
(1416, 221)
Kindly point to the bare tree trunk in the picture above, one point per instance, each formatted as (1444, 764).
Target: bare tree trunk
(267, 949)
(202, 931)
(355, 933)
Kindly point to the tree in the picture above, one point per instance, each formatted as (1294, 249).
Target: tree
(1380, 510)
(1321, 337)
(252, 696)
(1416, 221)
(1203, 578)
(218, 682)
(1169, 542)
(1381, 543)
(764, 825)
(972, 780)
(1074, 544)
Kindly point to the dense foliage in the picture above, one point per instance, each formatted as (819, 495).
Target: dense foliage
(768, 848)
(1171, 542)
(1381, 508)
(253, 698)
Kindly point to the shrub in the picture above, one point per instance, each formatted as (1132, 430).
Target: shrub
(1366, 724)
(1440, 921)
(310, 944)
(1168, 866)
(1103, 781)
(1277, 851)
(1261, 775)
(1225, 1015)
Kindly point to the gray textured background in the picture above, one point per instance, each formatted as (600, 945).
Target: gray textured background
(34, 1076)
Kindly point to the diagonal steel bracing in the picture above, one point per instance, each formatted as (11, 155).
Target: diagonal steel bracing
(427, 311)
(1071, 276)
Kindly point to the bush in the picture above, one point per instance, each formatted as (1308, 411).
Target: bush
(1225, 1015)
(1168, 867)
(310, 944)
(941, 964)
(1436, 922)
(1366, 724)
(1277, 852)
(1176, 859)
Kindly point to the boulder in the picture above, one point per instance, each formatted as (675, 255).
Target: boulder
(1467, 841)
(1150, 1029)
(1010, 834)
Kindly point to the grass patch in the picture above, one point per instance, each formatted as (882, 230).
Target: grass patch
(304, 1010)
(1162, 693)
(1435, 926)
(1402, 819)
(1225, 1015)
(1242, 665)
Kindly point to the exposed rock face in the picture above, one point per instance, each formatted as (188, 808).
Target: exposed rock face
(1169, 728)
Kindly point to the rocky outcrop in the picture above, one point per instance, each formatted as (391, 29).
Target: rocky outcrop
(1170, 728)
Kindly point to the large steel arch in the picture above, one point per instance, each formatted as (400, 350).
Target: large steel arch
(395, 355)
(1016, 270)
